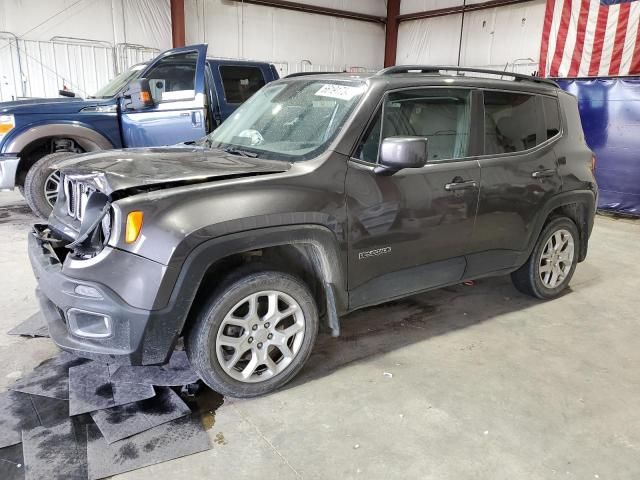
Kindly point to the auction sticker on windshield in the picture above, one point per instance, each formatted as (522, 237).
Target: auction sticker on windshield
(341, 92)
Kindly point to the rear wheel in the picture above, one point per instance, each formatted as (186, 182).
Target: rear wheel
(41, 184)
(553, 261)
(255, 334)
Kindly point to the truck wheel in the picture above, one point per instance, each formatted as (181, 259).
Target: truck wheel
(41, 184)
(254, 334)
(552, 262)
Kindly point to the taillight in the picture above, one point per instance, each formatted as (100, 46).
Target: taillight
(593, 164)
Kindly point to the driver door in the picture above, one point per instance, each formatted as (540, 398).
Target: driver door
(177, 81)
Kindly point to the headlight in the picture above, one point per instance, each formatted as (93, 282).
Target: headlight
(7, 122)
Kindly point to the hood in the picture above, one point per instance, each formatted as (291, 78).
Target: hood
(154, 168)
(49, 105)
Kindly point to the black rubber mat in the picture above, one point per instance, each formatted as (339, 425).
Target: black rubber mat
(177, 372)
(91, 388)
(17, 413)
(51, 411)
(128, 420)
(57, 452)
(50, 378)
(11, 463)
(34, 326)
(175, 439)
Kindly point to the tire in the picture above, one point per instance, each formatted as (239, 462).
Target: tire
(536, 276)
(41, 175)
(238, 371)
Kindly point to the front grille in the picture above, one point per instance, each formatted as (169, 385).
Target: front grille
(77, 195)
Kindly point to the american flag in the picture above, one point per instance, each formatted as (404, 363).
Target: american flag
(590, 38)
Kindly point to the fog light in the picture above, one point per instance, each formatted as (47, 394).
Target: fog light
(87, 291)
(89, 324)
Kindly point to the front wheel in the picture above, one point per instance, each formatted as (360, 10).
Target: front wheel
(553, 261)
(41, 184)
(254, 335)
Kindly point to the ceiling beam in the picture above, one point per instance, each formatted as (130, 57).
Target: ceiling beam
(441, 12)
(303, 7)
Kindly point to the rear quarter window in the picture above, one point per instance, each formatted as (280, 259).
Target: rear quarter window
(511, 122)
(551, 116)
(240, 82)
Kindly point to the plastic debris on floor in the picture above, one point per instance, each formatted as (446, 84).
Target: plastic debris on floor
(34, 326)
(74, 418)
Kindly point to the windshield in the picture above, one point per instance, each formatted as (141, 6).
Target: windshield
(288, 121)
(117, 83)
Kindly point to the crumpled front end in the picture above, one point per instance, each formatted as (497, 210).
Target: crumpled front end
(100, 302)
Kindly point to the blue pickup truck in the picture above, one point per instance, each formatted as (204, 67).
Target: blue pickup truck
(179, 96)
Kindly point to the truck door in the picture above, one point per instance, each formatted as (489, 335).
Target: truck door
(177, 82)
(235, 82)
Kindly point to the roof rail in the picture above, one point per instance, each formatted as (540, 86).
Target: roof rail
(436, 69)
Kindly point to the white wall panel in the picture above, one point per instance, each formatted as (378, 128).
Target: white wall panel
(497, 38)
(370, 7)
(503, 35)
(145, 22)
(265, 33)
(432, 41)
(413, 6)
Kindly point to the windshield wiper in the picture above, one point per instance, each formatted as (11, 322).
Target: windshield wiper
(239, 151)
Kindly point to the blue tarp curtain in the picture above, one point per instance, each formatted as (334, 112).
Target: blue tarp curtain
(610, 113)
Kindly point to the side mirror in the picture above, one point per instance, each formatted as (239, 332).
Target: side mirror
(397, 153)
(138, 96)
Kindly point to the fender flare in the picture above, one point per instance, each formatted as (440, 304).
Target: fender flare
(587, 198)
(330, 260)
(88, 138)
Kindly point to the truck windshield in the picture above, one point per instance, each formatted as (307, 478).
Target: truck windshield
(119, 82)
(290, 120)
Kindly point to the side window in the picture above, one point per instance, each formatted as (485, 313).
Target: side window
(510, 122)
(440, 115)
(173, 77)
(240, 82)
(551, 116)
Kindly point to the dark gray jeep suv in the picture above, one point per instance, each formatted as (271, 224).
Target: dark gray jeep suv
(322, 194)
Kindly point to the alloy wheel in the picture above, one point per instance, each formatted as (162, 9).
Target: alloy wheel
(556, 259)
(51, 185)
(260, 336)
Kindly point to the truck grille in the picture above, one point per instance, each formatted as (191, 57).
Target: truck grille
(77, 195)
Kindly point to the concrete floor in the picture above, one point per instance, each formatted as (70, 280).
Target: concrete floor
(469, 382)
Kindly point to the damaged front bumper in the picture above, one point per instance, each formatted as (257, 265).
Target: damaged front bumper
(92, 320)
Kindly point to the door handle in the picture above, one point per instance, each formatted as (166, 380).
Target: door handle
(450, 187)
(549, 172)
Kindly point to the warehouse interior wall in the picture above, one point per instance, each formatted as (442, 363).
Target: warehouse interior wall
(499, 38)
(142, 22)
(293, 40)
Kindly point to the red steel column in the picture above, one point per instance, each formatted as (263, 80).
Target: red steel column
(391, 40)
(177, 23)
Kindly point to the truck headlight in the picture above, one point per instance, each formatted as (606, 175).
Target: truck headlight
(7, 122)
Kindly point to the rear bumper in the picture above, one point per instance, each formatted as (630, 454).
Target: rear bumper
(8, 169)
(132, 338)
